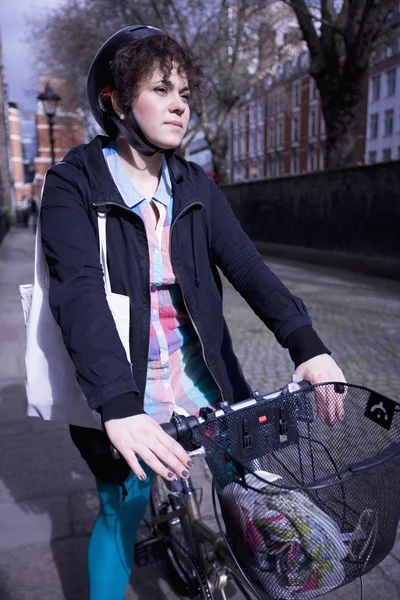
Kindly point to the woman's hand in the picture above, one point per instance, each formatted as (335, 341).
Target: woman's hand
(142, 436)
(321, 369)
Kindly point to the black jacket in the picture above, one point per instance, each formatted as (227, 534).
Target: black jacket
(204, 235)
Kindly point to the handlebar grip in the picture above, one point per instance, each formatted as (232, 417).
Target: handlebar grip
(170, 429)
(176, 428)
(304, 384)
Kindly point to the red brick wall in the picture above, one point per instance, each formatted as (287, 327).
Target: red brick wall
(68, 129)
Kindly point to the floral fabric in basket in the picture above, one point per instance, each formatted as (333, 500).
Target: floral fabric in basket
(293, 549)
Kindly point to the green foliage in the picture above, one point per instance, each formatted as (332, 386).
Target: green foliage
(9, 214)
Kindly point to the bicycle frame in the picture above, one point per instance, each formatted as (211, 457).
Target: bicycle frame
(208, 546)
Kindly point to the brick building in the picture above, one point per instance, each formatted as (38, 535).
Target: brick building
(6, 189)
(383, 120)
(68, 130)
(280, 130)
(21, 189)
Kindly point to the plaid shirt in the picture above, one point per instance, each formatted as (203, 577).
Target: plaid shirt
(177, 376)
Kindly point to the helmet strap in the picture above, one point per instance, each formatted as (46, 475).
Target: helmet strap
(136, 128)
(131, 140)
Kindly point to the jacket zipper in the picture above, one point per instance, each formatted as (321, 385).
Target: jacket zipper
(147, 242)
(186, 306)
(183, 296)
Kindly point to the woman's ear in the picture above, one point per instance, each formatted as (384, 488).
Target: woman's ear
(116, 104)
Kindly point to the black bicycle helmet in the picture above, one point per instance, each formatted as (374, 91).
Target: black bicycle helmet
(100, 79)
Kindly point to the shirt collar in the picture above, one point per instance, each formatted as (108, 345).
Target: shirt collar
(129, 193)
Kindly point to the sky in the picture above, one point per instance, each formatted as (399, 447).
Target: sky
(20, 74)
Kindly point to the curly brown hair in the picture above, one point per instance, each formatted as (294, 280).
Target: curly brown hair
(135, 62)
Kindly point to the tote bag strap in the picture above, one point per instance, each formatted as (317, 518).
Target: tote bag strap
(102, 222)
(40, 270)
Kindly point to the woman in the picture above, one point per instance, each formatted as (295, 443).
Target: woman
(168, 229)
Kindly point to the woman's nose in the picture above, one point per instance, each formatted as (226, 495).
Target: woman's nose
(178, 105)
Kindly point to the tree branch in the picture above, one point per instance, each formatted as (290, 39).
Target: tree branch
(189, 137)
(310, 35)
(181, 26)
(305, 10)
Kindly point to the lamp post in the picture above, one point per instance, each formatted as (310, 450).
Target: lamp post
(50, 100)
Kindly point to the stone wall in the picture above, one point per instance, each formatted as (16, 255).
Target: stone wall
(355, 210)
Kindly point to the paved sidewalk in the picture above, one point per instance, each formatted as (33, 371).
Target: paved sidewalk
(47, 497)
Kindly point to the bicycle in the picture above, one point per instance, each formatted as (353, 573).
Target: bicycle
(263, 453)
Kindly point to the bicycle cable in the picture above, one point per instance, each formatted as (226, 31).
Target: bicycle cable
(243, 574)
(362, 588)
(204, 587)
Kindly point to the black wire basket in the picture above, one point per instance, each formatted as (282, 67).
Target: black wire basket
(307, 506)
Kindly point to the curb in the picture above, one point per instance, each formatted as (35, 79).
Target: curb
(388, 268)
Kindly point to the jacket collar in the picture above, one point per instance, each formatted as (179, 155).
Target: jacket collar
(104, 191)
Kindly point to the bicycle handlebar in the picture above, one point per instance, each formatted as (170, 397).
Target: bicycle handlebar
(179, 424)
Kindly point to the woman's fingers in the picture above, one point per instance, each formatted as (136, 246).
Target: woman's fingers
(329, 399)
(340, 394)
(134, 464)
(172, 453)
(330, 402)
(160, 465)
(141, 435)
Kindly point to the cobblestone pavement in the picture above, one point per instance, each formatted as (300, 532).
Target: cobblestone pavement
(47, 497)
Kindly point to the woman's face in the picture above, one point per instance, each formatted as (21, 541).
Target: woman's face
(162, 108)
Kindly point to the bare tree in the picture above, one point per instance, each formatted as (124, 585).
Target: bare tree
(342, 37)
(235, 40)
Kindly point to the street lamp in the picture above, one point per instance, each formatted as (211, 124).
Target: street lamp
(50, 100)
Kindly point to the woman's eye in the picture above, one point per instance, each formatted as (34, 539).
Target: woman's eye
(186, 97)
(161, 89)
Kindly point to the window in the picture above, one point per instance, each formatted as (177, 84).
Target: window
(271, 166)
(295, 128)
(295, 162)
(280, 131)
(396, 47)
(311, 158)
(372, 157)
(322, 155)
(261, 109)
(374, 126)
(389, 118)
(252, 114)
(253, 171)
(280, 164)
(391, 82)
(296, 94)
(387, 154)
(236, 146)
(376, 88)
(322, 125)
(242, 142)
(313, 123)
(252, 142)
(235, 121)
(271, 106)
(313, 89)
(271, 134)
(260, 166)
(260, 141)
(281, 101)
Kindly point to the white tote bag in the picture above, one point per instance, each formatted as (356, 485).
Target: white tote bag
(52, 389)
